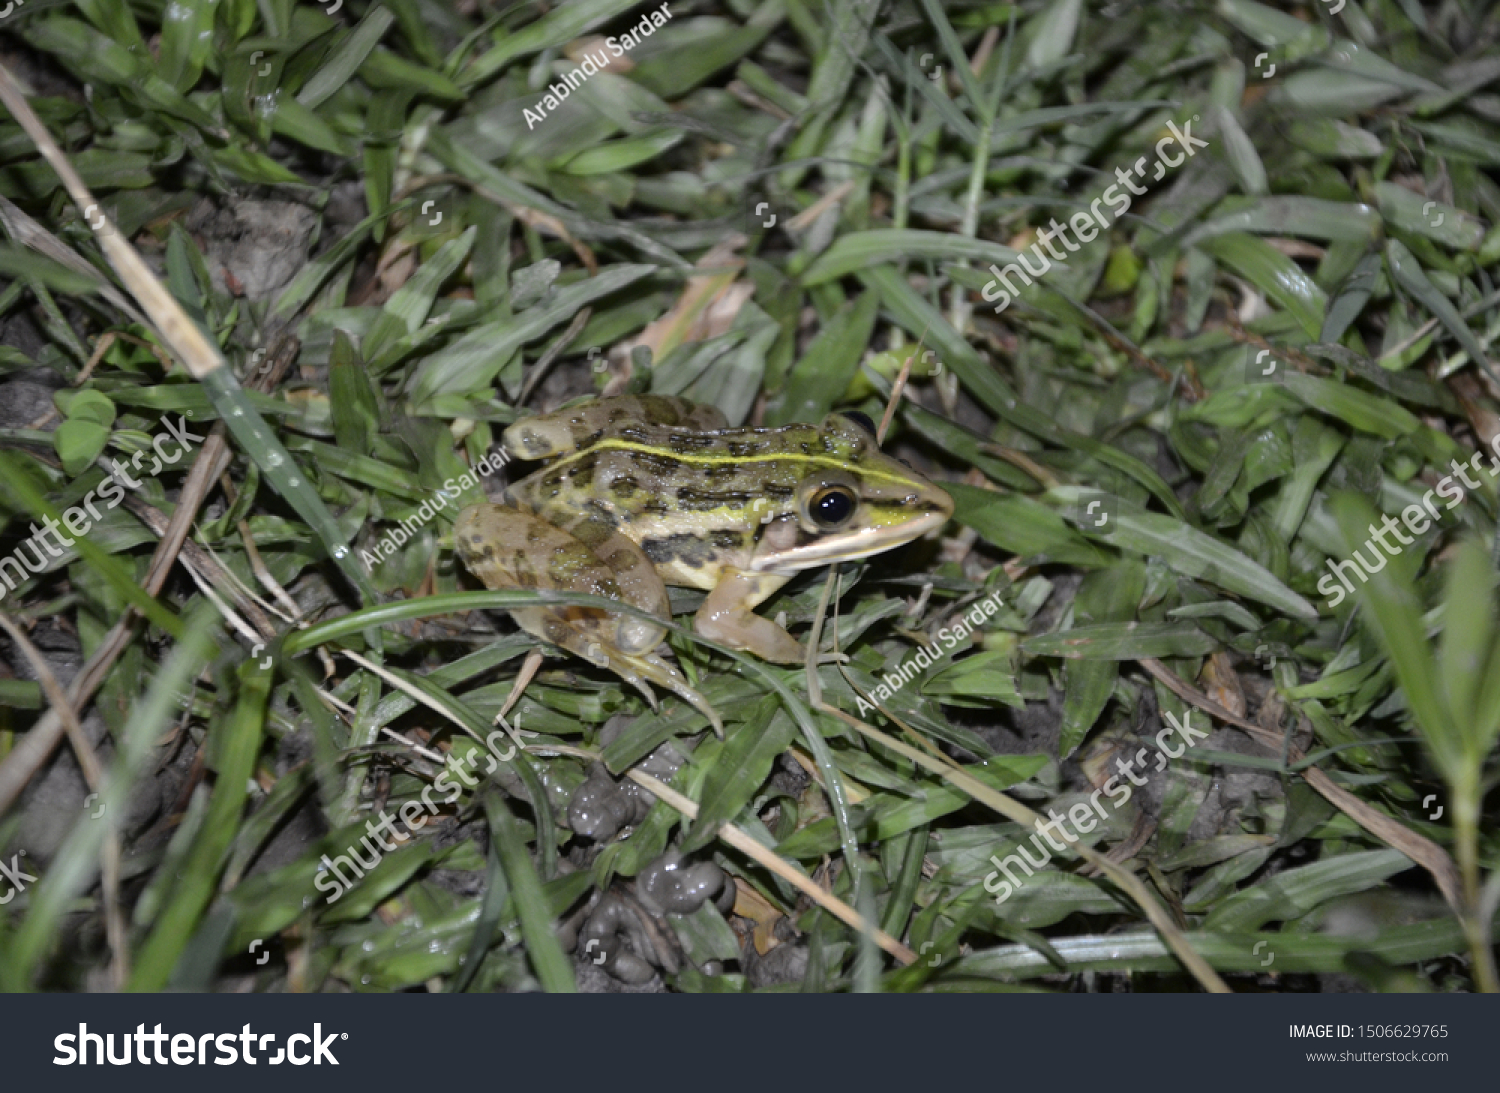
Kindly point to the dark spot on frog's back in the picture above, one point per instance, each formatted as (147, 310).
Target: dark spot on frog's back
(687, 443)
(581, 472)
(779, 492)
(728, 540)
(690, 550)
(624, 487)
(652, 463)
(708, 500)
(743, 449)
(602, 514)
(623, 561)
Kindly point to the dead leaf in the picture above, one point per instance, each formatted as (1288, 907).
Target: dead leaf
(706, 309)
(595, 44)
(750, 904)
(1222, 684)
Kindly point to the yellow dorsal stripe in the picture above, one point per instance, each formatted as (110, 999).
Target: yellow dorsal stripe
(714, 459)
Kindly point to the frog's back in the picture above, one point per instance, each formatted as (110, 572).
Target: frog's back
(694, 501)
(546, 435)
(700, 501)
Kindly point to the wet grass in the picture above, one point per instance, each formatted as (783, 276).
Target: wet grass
(1178, 302)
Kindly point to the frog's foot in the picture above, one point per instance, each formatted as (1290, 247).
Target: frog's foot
(637, 669)
(507, 548)
(664, 674)
(728, 617)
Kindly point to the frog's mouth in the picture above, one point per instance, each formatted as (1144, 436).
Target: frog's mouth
(848, 545)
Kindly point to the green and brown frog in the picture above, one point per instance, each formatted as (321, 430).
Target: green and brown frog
(646, 491)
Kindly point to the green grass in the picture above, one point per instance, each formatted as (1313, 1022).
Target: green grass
(1156, 451)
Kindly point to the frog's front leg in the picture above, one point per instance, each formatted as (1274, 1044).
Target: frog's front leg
(728, 617)
(507, 548)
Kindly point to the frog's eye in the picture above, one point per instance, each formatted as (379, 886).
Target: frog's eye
(859, 418)
(833, 507)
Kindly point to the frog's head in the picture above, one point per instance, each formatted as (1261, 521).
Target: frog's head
(852, 501)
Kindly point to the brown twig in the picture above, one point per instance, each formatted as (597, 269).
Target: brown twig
(1294, 356)
(206, 566)
(93, 774)
(555, 350)
(34, 749)
(898, 389)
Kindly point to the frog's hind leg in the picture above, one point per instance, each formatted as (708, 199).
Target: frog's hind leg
(634, 669)
(506, 548)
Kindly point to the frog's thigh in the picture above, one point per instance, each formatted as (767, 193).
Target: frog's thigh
(728, 616)
(506, 548)
(639, 583)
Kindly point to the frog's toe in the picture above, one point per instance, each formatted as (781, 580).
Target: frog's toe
(747, 632)
(665, 674)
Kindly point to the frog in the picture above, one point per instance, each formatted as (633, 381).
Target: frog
(639, 492)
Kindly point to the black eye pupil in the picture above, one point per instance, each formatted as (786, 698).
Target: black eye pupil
(861, 419)
(832, 507)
